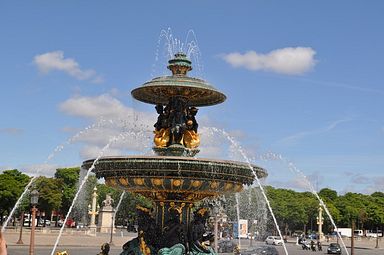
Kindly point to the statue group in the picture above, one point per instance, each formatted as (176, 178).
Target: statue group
(174, 238)
(176, 124)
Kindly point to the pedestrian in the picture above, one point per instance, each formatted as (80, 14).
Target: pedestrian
(3, 245)
(319, 247)
(313, 246)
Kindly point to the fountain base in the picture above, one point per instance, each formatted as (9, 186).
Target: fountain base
(175, 150)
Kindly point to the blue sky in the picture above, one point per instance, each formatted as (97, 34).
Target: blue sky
(304, 82)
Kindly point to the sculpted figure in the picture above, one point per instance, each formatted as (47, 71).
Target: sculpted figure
(162, 130)
(108, 202)
(174, 232)
(177, 119)
(104, 249)
(191, 137)
(147, 241)
(198, 235)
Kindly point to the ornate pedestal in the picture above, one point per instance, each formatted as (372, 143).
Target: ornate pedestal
(106, 217)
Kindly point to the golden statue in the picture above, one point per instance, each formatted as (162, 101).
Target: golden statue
(62, 253)
(191, 139)
(161, 138)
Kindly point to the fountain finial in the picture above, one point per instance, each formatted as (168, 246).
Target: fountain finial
(180, 65)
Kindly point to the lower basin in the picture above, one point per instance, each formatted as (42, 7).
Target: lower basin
(169, 178)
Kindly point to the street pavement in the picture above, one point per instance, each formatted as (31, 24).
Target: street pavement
(79, 243)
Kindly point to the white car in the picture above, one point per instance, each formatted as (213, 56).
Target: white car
(275, 240)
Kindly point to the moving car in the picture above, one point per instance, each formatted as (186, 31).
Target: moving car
(334, 248)
(275, 240)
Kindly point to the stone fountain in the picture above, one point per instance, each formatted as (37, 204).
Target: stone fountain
(174, 179)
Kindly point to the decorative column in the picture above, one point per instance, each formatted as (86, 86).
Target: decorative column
(320, 221)
(93, 209)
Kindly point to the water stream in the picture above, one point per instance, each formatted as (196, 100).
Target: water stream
(117, 208)
(238, 218)
(173, 45)
(58, 149)
(312, 189)
(236, 145)
(292, 168)
(112, 140)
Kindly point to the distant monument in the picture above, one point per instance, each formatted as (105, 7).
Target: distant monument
(106, 212)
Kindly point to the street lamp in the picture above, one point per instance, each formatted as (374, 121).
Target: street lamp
(34, 202)
(112, 225)
(377, 238)
(20, 241)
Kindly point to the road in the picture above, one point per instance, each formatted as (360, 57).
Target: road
(115, 250)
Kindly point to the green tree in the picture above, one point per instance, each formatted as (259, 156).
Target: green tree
(12, 184)
(328, 194)
(50, 195)
(69, 178)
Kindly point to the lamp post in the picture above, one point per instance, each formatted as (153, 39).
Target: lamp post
(20, 241)
(34, 202)
(377, 238)
(112, 225)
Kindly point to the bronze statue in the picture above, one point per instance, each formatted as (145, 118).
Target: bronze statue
(177, 119)
(147, 240)
(174, 232)
(198, 235)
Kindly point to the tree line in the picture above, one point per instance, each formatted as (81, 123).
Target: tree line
(298, 211)
(294, 211)
(56, 195)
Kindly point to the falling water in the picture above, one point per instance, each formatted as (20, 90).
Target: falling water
(238, 218)
(117, 208)
(173, 45)
(294, 169)
(114, 139)
(50, 156)
(234, 143)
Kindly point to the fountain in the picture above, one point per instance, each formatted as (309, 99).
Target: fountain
(174, 179)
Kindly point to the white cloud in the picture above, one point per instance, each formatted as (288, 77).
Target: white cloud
(95, 107)
(291, 61)
(133, 128)
(39, 169)
(55, 61)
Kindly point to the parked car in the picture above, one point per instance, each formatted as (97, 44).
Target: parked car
(80, 225)
(275, 240)
(47, 222)
(334, 248)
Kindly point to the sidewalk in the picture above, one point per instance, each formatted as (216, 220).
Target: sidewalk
(70, 238)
